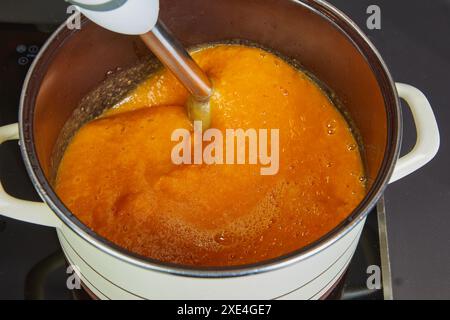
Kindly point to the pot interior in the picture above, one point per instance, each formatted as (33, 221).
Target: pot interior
(76, 63)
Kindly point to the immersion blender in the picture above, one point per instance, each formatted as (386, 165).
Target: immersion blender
(140, 17)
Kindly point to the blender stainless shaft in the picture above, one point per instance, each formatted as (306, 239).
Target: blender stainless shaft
(175, 57)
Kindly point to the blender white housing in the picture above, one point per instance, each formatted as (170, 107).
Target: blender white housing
(131, 17)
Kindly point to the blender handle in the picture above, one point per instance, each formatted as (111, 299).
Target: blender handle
(427, 143)
(23, 210)
(133, 17)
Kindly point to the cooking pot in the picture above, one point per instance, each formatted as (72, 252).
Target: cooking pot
(327, 43)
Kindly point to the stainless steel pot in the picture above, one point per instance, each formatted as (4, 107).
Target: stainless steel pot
(326, 42)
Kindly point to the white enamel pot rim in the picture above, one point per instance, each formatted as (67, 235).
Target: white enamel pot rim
(391, 170)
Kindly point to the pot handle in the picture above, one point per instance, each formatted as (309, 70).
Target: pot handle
(427, 144)
(27, 211)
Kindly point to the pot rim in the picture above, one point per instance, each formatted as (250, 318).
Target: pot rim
(43, 187)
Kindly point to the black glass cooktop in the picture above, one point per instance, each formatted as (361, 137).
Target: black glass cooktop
(32, 265)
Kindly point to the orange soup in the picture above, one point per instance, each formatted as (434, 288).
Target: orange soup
(117, 175)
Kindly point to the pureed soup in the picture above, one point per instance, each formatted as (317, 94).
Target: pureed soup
(119, 178)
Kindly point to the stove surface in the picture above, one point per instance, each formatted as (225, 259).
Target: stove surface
(414, 43)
